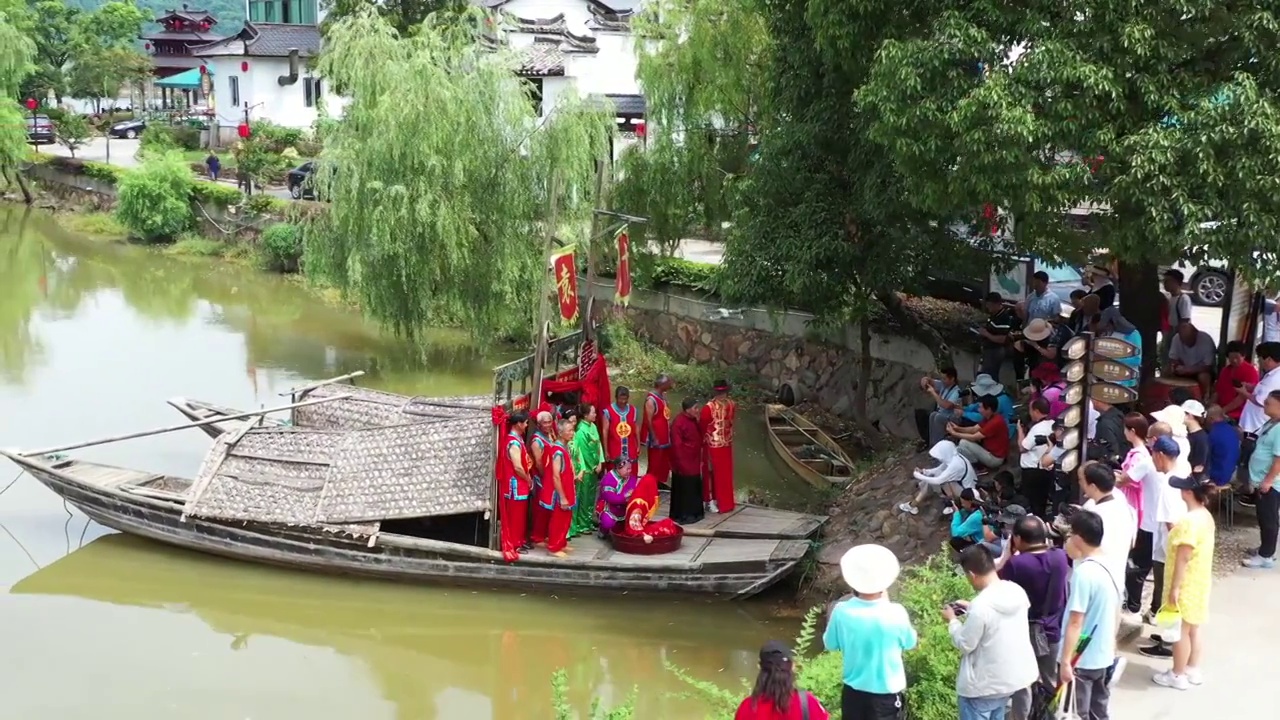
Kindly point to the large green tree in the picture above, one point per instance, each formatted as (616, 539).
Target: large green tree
(1162, 117)
(54, 31)
(403, 15)
(17, 54)
(440, 177)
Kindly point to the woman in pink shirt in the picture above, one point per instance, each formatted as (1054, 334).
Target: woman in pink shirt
(1047, 383)
(775, 696)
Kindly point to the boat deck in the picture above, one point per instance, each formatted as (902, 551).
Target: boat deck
(750, 521)
(720, 554)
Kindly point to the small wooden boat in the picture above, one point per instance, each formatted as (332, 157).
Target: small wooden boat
(806, 448)
(379, 502)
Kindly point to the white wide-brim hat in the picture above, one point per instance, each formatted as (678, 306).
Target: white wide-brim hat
(1173, 416)
(869, 568)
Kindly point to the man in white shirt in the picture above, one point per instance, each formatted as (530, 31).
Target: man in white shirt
(1120, 522)
(1033, 442)
(1252, 417)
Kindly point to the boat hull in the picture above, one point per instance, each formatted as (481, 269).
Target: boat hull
(809, 434)
(319, 550)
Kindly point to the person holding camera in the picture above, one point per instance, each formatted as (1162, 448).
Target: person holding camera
(1042, 570)
(1034, 440)
(996, 659)
(966, 521)
(945, 394)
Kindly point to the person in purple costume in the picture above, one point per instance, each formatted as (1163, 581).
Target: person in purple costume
(616, 488)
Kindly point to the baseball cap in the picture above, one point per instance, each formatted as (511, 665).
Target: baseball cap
(1184, 483)
(1194, 408)
(1165, 445)
(776, 647)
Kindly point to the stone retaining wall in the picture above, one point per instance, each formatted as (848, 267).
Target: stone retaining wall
(781, 348)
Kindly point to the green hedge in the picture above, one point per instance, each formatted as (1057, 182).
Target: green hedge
(931, 667)
(685, 273)
(216, 193)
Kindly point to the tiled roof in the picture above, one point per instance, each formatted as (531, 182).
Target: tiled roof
(185, 36)
(541, 60)
(610, 20)
(266, 40)
(627, 104)
(553, 27)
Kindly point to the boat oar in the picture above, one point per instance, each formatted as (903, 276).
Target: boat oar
(321, 383)
(175, 428)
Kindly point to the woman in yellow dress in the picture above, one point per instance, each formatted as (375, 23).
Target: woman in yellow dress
(1188, 578)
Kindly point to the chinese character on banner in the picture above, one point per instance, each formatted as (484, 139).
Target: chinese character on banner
(566, 279)
(623, 295)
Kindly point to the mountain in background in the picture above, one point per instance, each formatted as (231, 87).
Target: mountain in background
(229, 13)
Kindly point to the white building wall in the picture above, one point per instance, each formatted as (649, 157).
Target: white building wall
(267, 99)
(611, 71)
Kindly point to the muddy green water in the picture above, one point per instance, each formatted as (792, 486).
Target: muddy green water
(93, 339)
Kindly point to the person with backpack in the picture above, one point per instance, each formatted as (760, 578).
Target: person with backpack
(775, 696)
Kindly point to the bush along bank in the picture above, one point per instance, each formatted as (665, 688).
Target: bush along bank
(163, 202)
(931, 667)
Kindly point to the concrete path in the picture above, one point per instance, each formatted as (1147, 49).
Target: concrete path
(122, 155)
(1242, 647)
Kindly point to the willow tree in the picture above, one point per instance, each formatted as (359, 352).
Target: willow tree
(1163, 117)
(700, 65)
(17, 53)
(441, 175)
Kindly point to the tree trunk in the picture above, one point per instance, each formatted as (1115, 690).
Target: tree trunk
(870, 433)
(1140, 299)
(18, 180)
(923, 332)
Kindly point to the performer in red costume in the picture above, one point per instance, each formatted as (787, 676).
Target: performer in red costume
(621, 436)
(557, 495)
(641, 508)
(717, 431)
(515, 494)
(543, 439)
(655, 428)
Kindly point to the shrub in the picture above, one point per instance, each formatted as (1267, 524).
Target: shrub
(55, 114)
(309, 149)
(194, 245)
(73, 132)
(276, 138)
(103, 171)
(154, 200)
(170, 137)
(931, 667)
(685, 273)
(281, 247)
(262, 204)
(213, 193)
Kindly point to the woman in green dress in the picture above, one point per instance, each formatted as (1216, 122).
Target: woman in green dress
(588, 456)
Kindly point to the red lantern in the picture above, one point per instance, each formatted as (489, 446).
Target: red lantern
(990, 215)
(32, 104)
(243, 130)
(204, 70)
(147, 46)
(244, 66)
(640, 129)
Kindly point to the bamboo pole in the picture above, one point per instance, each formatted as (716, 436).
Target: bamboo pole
(597, 225)
(308, 388)
(540, 334)
(175, 428)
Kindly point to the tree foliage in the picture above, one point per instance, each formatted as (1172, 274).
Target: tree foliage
(1163, 115)
(154, 200)
(403, 15)
(72, 132)
(700, 67)
(440, 175)
(17, 54)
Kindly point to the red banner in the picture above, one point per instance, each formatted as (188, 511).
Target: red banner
(623, 294)
(565, 270)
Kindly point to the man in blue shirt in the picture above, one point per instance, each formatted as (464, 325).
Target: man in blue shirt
(945, 394)
(1093, 610)
(871, 633)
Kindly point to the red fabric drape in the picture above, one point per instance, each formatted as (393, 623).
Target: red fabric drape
(592, 389)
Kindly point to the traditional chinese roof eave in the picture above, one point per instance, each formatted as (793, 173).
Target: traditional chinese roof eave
(265, 40)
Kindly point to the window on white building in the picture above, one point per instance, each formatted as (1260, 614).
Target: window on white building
(233, 83)
(311, 91)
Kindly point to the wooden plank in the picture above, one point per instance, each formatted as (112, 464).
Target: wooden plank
(689, 549)
(105, 475)
(726, 555)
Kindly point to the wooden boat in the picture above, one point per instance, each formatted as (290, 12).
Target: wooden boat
(359, 408)
(805, 448)
(386, 502)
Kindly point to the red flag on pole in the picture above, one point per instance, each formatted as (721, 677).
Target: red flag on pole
(565, 272)
(623, 294)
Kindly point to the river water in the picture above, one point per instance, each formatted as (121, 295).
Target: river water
(93, 338)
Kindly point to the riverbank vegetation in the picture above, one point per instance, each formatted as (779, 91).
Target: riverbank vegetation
(931, 667)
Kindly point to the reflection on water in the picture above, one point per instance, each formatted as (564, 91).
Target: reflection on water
(93, 339)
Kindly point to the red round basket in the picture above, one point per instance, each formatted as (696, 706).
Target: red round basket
(637, 545)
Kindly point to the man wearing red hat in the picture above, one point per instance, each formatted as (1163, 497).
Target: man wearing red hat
(716, 421)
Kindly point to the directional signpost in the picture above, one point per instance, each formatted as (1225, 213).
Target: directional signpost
(1093, 373)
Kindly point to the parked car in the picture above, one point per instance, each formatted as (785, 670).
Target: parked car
(128, 129)
(301, 181)
(972, 290)
(1207, 284)
(40, 129)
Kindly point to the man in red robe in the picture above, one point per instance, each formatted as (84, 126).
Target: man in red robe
(515, 493)
(621, 432)
(557, 496)
(716, 421)
(540, 445)
(687, 502)
(655, 428)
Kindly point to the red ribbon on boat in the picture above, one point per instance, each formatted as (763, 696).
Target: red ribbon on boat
(499, 415)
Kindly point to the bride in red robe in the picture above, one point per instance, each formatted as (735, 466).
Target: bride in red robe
(641, 508)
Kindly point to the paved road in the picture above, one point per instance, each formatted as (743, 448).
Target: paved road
(1239, 660)
(123, 155)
